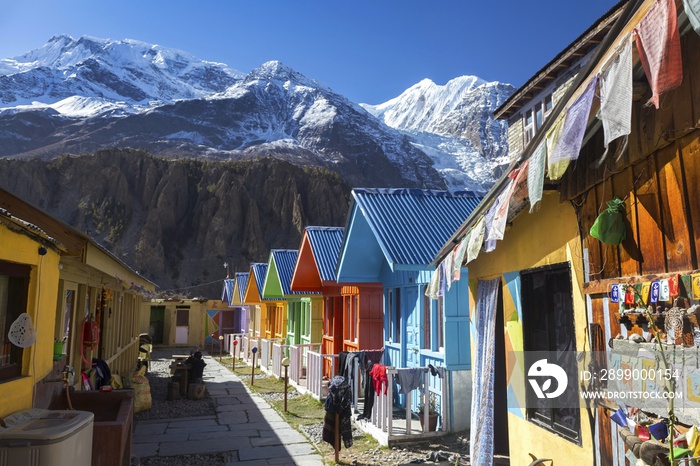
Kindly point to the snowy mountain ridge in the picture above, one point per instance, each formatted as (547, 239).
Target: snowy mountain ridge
(106, 74)
(97, 93)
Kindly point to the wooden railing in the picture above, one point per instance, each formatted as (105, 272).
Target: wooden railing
(387, 430)
(314, 372)
(265, 351)
(298, 360)
(229, 338)
(279, 352)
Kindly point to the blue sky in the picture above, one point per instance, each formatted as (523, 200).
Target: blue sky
(370, 51)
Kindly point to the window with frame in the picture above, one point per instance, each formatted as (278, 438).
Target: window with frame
(548, 325)
(329, 309)
(427, 318)
(433, 327)
(14, 288)
(394, 304)
(534, 118)
(350, 327)
(279, 320)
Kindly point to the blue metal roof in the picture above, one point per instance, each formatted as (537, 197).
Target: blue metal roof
(325, 245)
(259, 270)
(411, 225)
(285, 260)
(241, 283)
(227, 293)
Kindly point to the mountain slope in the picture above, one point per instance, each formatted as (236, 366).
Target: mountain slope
(178, 221)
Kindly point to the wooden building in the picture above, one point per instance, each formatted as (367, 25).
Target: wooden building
(391, 238)
(551, 282)
(93, 285)
(301, 310)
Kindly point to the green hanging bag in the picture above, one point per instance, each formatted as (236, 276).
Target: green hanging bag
(610, 227)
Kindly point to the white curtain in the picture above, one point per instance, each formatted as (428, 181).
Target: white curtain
(481, 431)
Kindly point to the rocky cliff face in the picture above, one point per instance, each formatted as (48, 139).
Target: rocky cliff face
(178, 221)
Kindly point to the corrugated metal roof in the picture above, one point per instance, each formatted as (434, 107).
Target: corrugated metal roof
(325, 244)
(241, 282)
(259, 270)
(411, 225)
(227, 293)
(285, 260)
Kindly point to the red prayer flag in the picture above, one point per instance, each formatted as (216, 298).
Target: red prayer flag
(659, 46)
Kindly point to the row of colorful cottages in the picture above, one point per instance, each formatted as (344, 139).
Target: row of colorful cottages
(614, 115)
(70, 301)
(362, 288)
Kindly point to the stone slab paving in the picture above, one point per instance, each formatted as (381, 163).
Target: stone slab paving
(245, 427)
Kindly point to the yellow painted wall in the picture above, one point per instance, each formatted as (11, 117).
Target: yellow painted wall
(548, 236)
(197, 319)
(316, 319)
(37, 360)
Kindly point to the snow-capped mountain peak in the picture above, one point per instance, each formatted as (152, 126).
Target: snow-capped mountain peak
(422, 106)
(123, 73)
(276, 71)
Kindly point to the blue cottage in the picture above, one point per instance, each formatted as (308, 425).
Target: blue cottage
(392, 236)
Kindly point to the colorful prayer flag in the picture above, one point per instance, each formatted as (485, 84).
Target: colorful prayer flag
(575, 125)
(664, 290)
(476, 240)
(659, 48)
(696, 285)
(692, 9)
(615, 293)
(655, 291)
(535, 174)
(616, 95)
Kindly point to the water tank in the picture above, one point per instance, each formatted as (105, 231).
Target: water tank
(42, 437)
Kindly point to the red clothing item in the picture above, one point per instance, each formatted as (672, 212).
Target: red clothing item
(378, 374)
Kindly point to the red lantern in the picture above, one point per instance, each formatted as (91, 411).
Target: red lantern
(91, 333)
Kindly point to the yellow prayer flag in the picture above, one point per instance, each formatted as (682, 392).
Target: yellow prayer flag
(646, 287)
(696, 285)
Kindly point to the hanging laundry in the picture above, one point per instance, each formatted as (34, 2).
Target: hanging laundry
(460, 251)
(616, 95)
(476, 239)
(409, 379)
(692, 9)
(555, 170)
(535, 175)
(379, 379)
(339, 400)
(659, 47)
(575, 124)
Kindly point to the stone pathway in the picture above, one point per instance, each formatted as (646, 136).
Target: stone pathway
(245, 427)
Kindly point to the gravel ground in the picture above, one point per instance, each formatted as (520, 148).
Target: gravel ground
(158, 377)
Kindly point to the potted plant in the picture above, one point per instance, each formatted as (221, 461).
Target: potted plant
(433, 413)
